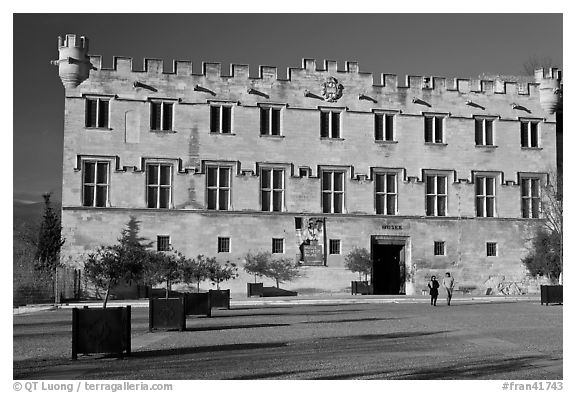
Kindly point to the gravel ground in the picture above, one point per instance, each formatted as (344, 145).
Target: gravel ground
(520, 340)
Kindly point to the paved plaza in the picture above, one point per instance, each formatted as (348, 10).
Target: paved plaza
(392, 340)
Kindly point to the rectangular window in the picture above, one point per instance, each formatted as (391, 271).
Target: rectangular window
(163, 243)
(218, 187)
(161, 115)
(269, 121)
(95, 183)
(272, 189)
(383, 127)
(332, 191)
(223, 244)
(298, 223)
(434, 129)
(439, 248)
(159, 185)
(436, 195)
(386, 195)
(330, 124)
(221, 119)
(97, 113)
(530, 188)
(485, 196)
(491, 249)
(277, 246)
(484, 132)
(334, 246)
(529, 133)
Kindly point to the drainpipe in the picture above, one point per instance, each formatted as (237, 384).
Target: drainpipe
(325, 241)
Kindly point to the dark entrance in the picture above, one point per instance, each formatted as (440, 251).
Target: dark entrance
(388, 269)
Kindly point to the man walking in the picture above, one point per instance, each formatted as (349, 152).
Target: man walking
(448, 283)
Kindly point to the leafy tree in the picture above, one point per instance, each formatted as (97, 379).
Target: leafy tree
(282, 270)
(218, 273)
(110, 265)
(126, 261)
(195, 270)
(358, 261)
(544, 258)
(257, 264)
(50, 241)
(165, 267)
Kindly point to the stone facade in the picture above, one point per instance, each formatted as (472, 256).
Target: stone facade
(128, 144)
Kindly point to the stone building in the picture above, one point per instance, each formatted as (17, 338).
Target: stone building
(429, 174)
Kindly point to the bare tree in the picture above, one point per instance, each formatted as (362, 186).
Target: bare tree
(546, 255)
(535, 62)
(553, 209)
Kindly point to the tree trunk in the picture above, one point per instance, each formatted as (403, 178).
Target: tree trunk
(277, 284)
(106, 296)
(167, 290)
(198, 286)
(56, 297)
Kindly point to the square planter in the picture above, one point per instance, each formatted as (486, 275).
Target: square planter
(255, 289)
(220, 298)
(551, 294)
(361, 287)
(197, 304)
(101, 330)
(166, 314)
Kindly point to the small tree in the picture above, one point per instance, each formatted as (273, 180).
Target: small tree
(358, 261)
(195, 270)
(50, 241)
(218, 273)
(282, 270)
(110, 265)
(166, 267)
(125, 261)
(257, 264)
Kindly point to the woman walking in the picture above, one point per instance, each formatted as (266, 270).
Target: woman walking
(433, 285)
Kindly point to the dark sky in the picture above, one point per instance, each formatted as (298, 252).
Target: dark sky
(450, 45)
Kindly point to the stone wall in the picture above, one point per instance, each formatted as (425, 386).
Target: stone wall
(128, 143)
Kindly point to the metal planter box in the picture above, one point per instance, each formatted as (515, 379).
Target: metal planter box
(197, 304)
(101, 330)
(551, 294)
(361, 287)
(255, 289)
(166, 314)
(220, 298)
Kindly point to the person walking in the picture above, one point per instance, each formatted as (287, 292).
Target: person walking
(448, 283)
(433, 285)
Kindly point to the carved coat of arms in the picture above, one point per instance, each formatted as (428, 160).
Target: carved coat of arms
(332, 90)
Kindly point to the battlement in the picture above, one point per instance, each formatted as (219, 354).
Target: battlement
(73, 41)
(548, 73)
(350, 71)
(363, 85)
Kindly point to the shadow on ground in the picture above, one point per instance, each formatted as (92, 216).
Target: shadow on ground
(480, 369)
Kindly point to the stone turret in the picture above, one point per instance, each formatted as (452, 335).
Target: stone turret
(550, 81)
(73, 62)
